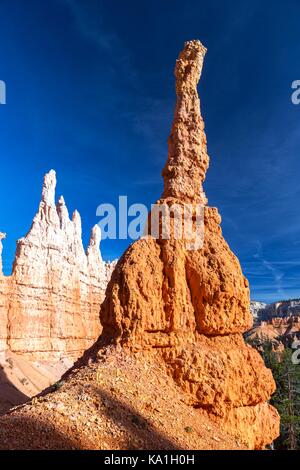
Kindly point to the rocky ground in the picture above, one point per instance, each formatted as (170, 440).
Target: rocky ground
(119, 402)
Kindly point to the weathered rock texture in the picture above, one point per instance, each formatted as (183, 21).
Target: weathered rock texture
(49, 306)
(189, 308)
(183, 177)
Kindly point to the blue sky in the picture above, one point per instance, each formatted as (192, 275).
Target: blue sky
(90, 93)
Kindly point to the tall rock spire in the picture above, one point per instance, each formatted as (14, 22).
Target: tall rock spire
(63, 213)
(189, 307)
(48, 191)
(93, 251)
(188, 160)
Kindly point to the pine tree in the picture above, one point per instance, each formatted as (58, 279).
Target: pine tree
(287, 396)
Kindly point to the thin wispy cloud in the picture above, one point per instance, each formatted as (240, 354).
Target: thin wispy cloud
(88, 19)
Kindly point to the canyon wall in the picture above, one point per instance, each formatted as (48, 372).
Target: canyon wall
(187, 308)
(283, 309)
(49, 306)
(277, 323)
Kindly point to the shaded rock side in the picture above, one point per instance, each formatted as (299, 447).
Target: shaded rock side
(188, 308)
(50, 304)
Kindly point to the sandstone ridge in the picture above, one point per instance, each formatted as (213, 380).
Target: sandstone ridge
(49, 306)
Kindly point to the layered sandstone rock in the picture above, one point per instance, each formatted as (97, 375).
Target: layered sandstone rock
(49, 306)
(188, 307)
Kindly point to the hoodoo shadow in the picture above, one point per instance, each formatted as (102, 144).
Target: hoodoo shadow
(10, 395)
(141, 432)
(27, 433)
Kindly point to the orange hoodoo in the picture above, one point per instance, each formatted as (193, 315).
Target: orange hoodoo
(188, 308)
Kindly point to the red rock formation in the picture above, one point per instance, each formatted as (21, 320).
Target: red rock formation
(187, 308)
(49, 306)
(183, 177)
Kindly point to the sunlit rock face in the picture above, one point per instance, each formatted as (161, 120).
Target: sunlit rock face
(49, 306)
(188, 308)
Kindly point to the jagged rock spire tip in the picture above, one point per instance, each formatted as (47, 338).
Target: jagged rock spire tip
(48, 191)
(188, 160)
